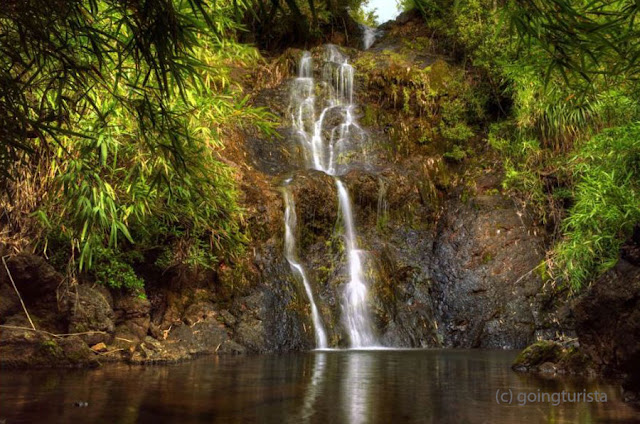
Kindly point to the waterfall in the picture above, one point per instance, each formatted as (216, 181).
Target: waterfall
(355, 307)
(290, 222)
(369, 36)
(323, 148)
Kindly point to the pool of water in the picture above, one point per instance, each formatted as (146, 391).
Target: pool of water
(425, 386)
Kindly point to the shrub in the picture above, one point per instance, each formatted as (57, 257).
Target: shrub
(607, 204)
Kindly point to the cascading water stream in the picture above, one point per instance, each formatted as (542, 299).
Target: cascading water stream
(369, 36)
(355, 307)
(290, 222)
(323, 147)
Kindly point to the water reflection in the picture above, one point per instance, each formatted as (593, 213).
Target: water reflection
(357, 386)
(315, 385)
(328, 387)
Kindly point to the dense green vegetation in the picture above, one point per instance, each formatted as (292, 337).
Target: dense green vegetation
(563, 73)
(113, 114)
(112, 117)
(283, 23)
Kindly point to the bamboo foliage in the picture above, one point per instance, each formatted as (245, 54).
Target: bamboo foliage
(124, 103)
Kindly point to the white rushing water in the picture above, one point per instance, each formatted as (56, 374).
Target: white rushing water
(355, 308)
(325, 138)
(290, 222)
(369, 36)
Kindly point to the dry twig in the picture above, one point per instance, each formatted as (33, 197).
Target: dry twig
(17, 292)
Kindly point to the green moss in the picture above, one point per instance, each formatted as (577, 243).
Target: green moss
(543, 271)
(537, 354)
(418, 44)
(370, 116)
(456, 154)
(51, 349)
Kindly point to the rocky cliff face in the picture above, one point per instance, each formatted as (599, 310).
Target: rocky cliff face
(451, 259)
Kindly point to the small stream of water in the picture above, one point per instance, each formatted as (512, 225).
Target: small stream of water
(290, 223)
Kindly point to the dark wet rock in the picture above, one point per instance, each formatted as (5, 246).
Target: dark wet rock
(24, 348)
(402, 297)
(132, 316)
(315, 196)
(485, 255)
(251, 333)
(276, 317)
(32, 275)
(91, 311)
(608, 324)
(386, 194)
(231, 348)
(269, 156)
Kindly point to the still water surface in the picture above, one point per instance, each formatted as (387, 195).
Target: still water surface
(415, 386)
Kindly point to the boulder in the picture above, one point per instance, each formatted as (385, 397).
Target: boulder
(90, 309)
(30, 349)
(131, 316)
(608, 324)
(9, 302)
(41, 289)
(32, 275)
(552, 357)
(198, 312)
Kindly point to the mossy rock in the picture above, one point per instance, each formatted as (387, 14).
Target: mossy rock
(49, 349)
(544, 355)
(537, 354)
(574, 361)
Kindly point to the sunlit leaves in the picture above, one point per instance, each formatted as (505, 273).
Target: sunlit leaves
(126, 102)
(586, 38)
(607, 204)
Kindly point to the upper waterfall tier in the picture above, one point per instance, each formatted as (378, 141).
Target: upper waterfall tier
(323, 113)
